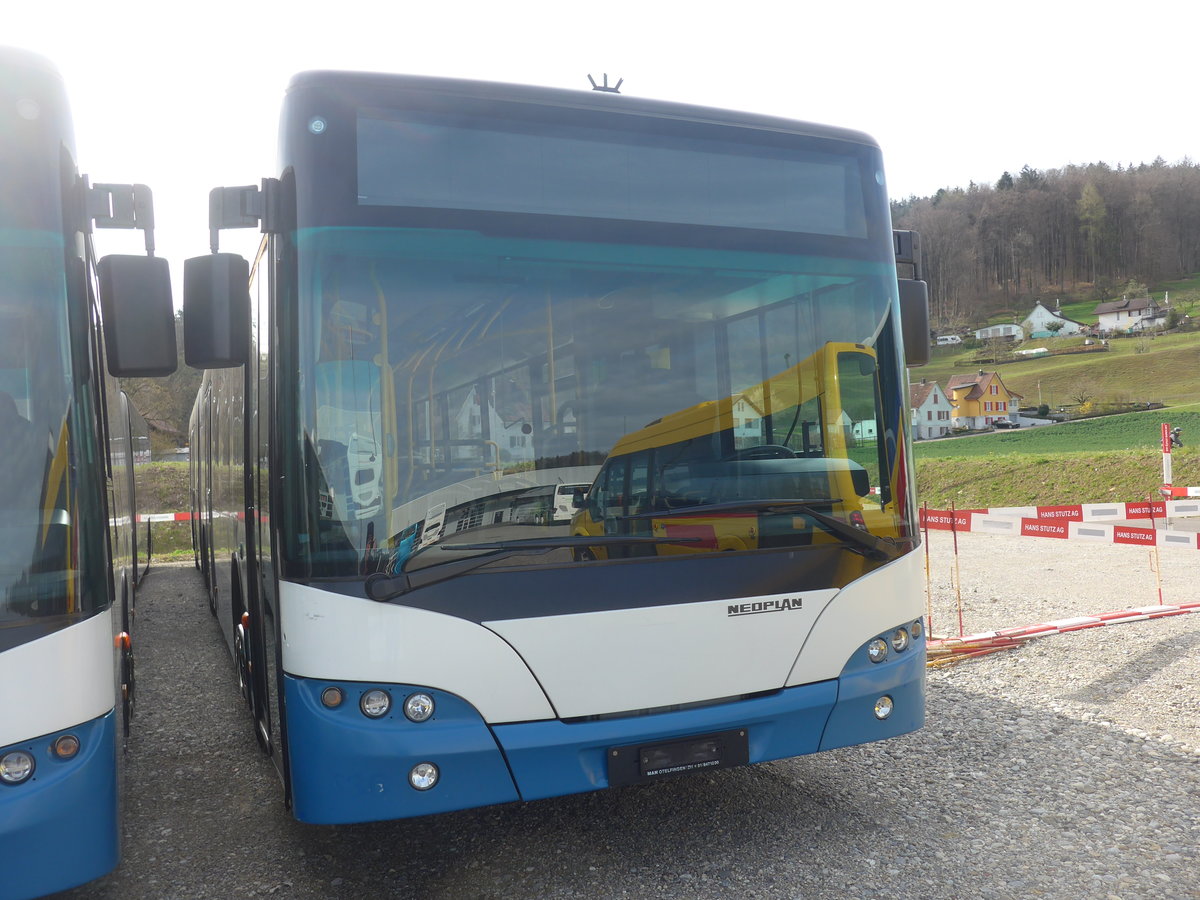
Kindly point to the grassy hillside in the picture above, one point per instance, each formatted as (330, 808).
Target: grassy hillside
(1093, 460)
(1049, 479)
(1130, 431)
(1165, 368)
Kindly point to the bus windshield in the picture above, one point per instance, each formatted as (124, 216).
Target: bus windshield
(40, 537)
(453, 384)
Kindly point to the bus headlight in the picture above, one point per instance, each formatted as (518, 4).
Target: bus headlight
(877, 650)
(917, 630)
(423, 776)
(900, 640)
(15, 767)
(418, 707)
(883, 707)
(375, 703)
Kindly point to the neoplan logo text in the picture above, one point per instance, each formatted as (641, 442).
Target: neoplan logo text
(766, 606)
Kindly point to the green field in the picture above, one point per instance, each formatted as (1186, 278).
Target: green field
(1090, 461)
(1130, 431)
(1165, 369)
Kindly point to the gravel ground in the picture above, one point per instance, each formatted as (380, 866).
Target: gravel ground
(1067, 768)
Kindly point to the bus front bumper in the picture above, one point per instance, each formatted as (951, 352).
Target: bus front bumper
(346, 767)
(60, 827)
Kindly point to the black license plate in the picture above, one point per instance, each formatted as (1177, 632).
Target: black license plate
(650, 762)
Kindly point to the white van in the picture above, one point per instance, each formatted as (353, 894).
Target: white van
(944, 339)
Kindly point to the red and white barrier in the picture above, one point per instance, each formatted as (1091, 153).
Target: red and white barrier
(1169, 491)
(165, 517)
(945, 650)
(1083, 521)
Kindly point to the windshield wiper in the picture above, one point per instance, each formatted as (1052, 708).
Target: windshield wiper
(384, 587)
(869, 545)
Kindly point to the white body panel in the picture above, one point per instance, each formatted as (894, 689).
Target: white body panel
(349, 639)
(58, 681)
(889, 596)
(587, 664)
(628, 659)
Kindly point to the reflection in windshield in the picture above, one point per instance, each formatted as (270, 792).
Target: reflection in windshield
(489, 389)
(40, 544)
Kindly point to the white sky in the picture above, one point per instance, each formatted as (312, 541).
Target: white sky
(186, 97)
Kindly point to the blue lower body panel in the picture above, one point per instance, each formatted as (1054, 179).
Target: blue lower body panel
(346, 767)
(60, 828)
(862, 682)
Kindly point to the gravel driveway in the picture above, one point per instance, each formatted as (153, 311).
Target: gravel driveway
(1067, 768)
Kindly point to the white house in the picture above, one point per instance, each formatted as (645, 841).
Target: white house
(930, 410)
(1011, 332)
(1038, 324)
(1138, 314)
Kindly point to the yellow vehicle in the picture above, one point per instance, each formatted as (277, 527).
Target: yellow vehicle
(767, 467)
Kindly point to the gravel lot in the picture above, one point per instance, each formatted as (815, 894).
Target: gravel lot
(1067, 768)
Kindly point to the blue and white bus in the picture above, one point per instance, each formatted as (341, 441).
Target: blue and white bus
(467, 294)
(71, 445)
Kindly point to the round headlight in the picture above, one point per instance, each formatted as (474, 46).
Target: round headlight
(423, 776)
(15, 767)
(900, 640)
(917, 630)
(375, 703)
(66, 746)
(418, 707)
(883, 707)
(877, 650)
(331, 697)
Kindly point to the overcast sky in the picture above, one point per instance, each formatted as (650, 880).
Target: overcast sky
(184, 98)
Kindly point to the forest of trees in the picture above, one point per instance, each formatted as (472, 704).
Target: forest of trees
(1081, 230)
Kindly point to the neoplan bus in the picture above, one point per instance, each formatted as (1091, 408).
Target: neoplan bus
(467, 292)
(71, 446)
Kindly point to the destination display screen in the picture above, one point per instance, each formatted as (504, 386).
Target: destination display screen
(444, 161)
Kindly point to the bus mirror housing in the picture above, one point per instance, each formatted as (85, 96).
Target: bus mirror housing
(139, 317)
(914, 321)
(216, 311)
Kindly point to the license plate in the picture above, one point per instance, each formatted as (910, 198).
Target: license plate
(651, 762)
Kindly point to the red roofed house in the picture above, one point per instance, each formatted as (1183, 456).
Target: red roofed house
(981, 400)
(930, 410)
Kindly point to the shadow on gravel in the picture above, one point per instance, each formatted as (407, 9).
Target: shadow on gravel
(1134, 673)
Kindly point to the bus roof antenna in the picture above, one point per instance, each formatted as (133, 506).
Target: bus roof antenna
(615, 89)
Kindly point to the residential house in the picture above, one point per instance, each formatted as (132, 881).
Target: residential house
(1125, 315)
(1040, 323)
(1007, 332)
(979, 401)
(931, 410)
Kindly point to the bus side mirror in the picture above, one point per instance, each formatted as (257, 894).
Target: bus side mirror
(914, 321)
(139, 318)
(216, 311)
